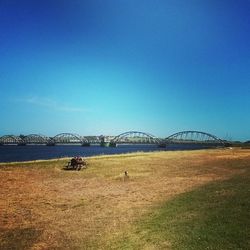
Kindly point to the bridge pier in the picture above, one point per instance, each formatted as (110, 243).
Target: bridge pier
(112, 144)
(85, 144)
(104, 144)
(104, 141)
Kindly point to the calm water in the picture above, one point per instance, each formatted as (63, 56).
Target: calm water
(9, 153)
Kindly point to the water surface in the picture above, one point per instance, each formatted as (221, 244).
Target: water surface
(12, 153)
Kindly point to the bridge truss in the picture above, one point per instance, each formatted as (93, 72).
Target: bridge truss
(36, 139)
(194, 137)
(135, 137)
(68, 138)
(11, 140)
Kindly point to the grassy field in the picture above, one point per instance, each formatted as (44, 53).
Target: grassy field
(171, 200)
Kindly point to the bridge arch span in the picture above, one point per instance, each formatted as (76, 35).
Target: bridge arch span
(12, 140)
(70, 138)
(193, 136)
(135, 137)
(36, 139)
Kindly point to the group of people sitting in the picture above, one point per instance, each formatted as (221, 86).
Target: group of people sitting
(77, 163)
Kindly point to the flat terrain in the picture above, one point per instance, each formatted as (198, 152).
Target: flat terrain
(170, 200)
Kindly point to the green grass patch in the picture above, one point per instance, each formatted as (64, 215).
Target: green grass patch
(214, 216)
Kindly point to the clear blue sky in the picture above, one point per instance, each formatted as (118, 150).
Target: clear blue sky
(105, 67)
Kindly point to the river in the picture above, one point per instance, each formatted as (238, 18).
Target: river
(12, 153)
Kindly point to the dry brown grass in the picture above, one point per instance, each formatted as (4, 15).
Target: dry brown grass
(43, 206)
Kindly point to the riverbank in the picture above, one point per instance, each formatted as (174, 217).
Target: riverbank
(47, 207)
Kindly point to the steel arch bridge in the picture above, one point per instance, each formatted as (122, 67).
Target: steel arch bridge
(135, 137)
(36, 139)
(194, 137)
(68, 138)
(11, 140)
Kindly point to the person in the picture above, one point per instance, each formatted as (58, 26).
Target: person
(79, 163)
(79, 159)
(126, 176)
(73, 162)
